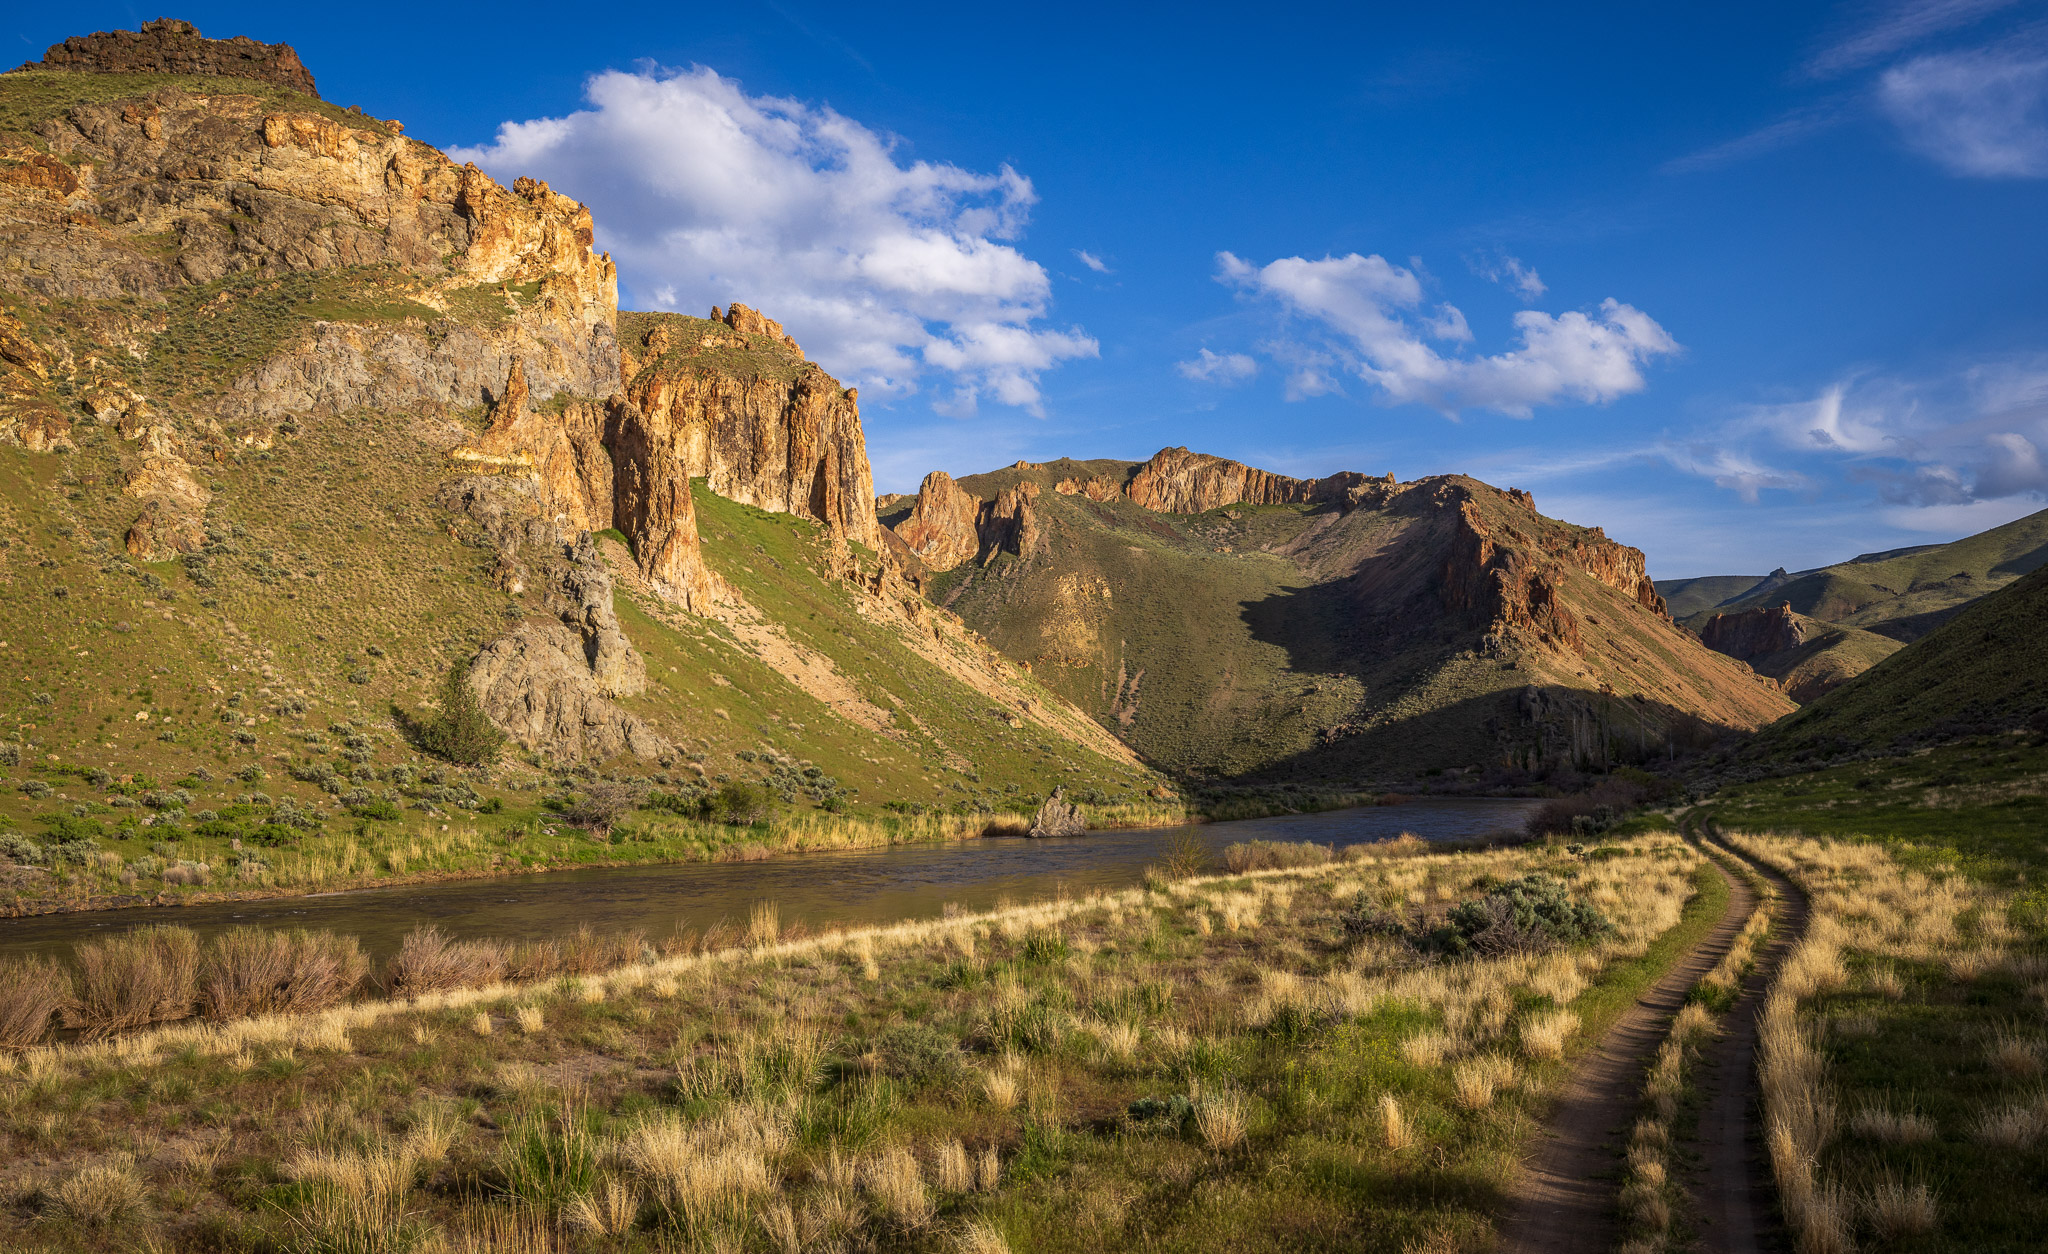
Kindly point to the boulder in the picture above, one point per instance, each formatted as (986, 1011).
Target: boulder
(1058, 817)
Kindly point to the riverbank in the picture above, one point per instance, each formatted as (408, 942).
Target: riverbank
(196, 869)
(1070, 1075)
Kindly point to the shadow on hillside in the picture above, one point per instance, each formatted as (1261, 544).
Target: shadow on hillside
(1514, 735)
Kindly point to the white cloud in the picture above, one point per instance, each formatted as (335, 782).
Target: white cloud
(1510, 273)
(1092, 261)
(1208, 367)
(1976, 435)
(886, 270)
(1982, 113)
(1961, 520)
(1369, 317)
(1731, 469)
(1786, 131)
(1900, 27)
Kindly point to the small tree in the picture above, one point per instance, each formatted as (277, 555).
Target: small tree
(460, 732)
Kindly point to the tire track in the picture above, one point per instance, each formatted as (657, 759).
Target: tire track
(1563, 1200)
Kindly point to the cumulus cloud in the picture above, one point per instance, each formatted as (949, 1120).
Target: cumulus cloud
(886, 269)
(1510, 273)
(1982, 113)
(1208, 367)
(1092, 261)
(1369, 318)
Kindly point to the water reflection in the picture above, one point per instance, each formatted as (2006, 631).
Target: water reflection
(863, 886)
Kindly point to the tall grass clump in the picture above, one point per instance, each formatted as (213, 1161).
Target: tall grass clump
(32, 992)
(149, 975)
(251, 971)
(427, 961)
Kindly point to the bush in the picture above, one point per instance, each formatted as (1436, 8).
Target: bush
(379, 808)
(737, 801)
(1271, 855)
(918, 1053)
(1521, 916)
(429, 962)
(32, 991)
(601, 806)
(460, 731)
(252, 971)
(149, 975)
(17, 848)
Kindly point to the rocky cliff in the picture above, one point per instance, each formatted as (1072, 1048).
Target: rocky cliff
(947, 526)
(1808, 657)
(169, 46)
(326, 414)
(1750, 634)
(1176, 481)
(731, 399)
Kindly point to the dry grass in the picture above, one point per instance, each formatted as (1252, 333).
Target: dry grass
(150, 975)
(1544, 1033)
(1879, 1122)
(429, 962)
(252, 971)
(32, 992)
(1271, 855)
(106, 1194)
(1894, 1209)
(785, 1127)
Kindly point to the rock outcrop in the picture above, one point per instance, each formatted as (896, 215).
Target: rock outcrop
(1058, 817)
(944, 527)
(536, 685)
(948, 525)
(1751, 634)
(733, 401)
(1176, 481)
(562, 454)
(169, 46)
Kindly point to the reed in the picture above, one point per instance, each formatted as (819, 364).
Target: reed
(149, 975)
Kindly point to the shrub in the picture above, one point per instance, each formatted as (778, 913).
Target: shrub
(1270, 855)
(737, 801)
(378, 808)
(17, 848)
(32, 991)
(918, 1053)
(459, 731)
(427, 961)
(601, 806)
(252, 971)
(149, 975)
(1521, 916)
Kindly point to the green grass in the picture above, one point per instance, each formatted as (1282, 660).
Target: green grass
(1980, 806)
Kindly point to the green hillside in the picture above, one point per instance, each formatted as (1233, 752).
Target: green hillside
(1985, 671)
(1685, 597)
(1908, 592)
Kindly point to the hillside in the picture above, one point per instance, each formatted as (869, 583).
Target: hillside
(1236, 624)
(296, 414)
(1983, 672)
(1901, 593)
(1805, 655)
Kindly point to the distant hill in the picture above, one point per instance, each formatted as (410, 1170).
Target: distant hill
(1685, 597)
(1901, 593)
(1233, 623)
(1985, 671)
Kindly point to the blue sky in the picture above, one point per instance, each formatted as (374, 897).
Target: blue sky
(1749, 285)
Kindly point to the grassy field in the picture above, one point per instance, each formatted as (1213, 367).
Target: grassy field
(1902, 1052)
(1250, 1062)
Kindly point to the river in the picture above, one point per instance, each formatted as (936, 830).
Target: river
(817, 889)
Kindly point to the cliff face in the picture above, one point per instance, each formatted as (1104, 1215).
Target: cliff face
(1176, 481)
(169, 46)
(947, 526)
(1751, 634)
(731, 400)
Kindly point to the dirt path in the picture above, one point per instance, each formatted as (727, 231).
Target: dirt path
(1731, 1186)
(1564, 1200)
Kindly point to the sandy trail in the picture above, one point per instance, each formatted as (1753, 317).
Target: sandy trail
(1563, 1202)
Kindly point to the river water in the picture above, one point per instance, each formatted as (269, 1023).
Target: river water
(817, 889)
